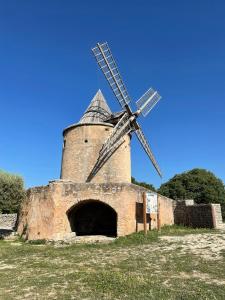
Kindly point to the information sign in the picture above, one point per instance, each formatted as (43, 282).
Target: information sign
(151, 203)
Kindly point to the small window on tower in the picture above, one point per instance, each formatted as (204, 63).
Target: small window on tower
(106, 129)
(64, 143)
(86, 141)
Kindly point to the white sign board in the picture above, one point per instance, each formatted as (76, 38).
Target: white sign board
(151, 203)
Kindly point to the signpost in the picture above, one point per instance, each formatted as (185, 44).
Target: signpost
(150, 206)
(144, 213)
(152, 203)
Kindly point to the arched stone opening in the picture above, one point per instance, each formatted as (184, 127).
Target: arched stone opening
(92, 217)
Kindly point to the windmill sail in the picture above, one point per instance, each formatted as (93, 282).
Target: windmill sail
(113, 142)
(127, 122)
(148, 101)
(109, 68)
(121, 128)
(146, 147)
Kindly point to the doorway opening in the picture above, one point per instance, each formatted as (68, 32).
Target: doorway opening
(92, 217)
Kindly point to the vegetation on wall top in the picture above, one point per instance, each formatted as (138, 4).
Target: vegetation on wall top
(144, 184)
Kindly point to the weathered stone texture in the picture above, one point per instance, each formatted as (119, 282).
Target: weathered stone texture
(216, 210)
(8, 221)
(37, 214)
(44, 213)
(82, 144)
(166, 210)
(197, 215)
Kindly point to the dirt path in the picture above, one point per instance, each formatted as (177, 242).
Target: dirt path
(207, 246)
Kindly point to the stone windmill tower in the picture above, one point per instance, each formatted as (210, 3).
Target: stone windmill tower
(83, 142)
(106, 205)
(94, 195)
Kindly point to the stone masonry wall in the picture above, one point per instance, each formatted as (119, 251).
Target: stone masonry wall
(8, 221)
(165, 214)
(37, 214)
(166, 209)
(44, 213)
(197, 215)
(82, 144)
(216, 208)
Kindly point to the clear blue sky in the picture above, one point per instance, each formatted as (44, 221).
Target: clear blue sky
(48, 77)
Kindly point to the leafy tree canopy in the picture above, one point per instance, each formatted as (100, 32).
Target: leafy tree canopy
(11, 192)
(198, 184)
(144, 184)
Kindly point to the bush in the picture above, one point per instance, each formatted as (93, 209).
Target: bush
(198, 184)
(11, 192)
(148, 186)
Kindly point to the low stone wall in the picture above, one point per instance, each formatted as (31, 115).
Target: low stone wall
(217, 212)
(166, 210)
(188, 213)
(8, 221)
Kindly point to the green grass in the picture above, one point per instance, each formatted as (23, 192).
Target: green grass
(133, 267)
(153, 235)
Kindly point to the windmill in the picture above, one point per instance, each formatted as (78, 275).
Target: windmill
(127, 122)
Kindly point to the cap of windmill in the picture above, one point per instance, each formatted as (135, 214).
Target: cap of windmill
(98, 110)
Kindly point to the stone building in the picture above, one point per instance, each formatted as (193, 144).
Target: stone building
(109, 205)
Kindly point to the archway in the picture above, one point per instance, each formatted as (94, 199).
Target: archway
(92, 217)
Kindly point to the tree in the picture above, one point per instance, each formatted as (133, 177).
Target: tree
(198, 184)
(144, 184)
(12, 192)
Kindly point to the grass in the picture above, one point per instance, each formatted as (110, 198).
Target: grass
(157, 266)
(154, 235)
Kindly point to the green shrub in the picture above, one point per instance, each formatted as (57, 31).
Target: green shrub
(37, 242)
(146, 185)
(198, 184)
(12, 192)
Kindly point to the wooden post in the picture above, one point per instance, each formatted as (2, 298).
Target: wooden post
(144, 213)
(158, 214)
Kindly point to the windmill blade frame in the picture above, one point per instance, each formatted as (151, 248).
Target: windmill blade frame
(127, 123)
(113, 142)
(147, 101)
(107, 64)
(103, 159)
(121, 128)
(140, 135)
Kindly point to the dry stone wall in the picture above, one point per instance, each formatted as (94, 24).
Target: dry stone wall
(188, 213)
(8, 221)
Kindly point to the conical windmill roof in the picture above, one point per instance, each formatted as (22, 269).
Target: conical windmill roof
(98, 110)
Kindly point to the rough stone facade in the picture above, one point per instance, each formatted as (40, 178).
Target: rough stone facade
(44, 215)
(188, 213)
(166, 210)
(46, 212)
(8, 221)
(82, 143)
